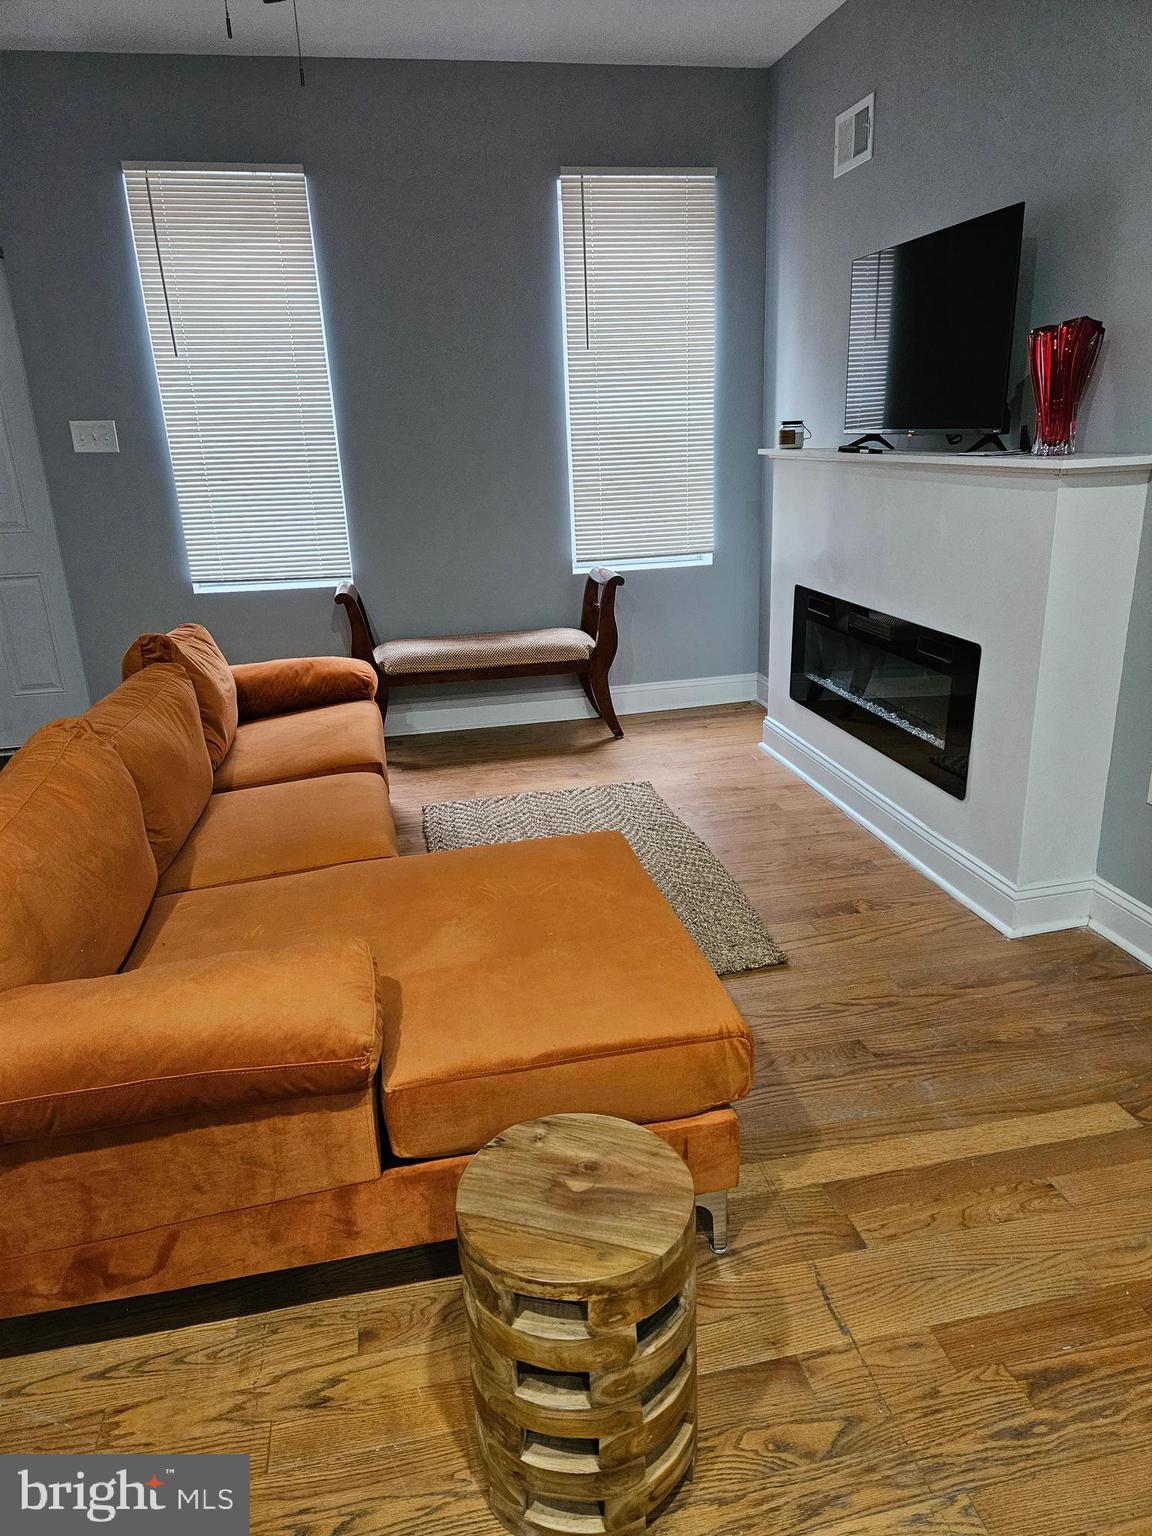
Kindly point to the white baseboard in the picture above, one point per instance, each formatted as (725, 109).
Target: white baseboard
(1122, 919)
(478, 710)
(1015, 910)
(762, 689)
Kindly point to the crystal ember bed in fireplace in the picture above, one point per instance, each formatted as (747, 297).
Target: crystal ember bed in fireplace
(907, 691)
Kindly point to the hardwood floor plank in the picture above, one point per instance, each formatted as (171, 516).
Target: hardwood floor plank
(347, 1381)
(1074, 1229)
(745, 1315)
(932, 1213)
(1090, 1185)
(1046, 1162)
(940, 1095)
(805, 1475)
(917, 1291)
(779, 1388)
(368, 1488)
(885, 1154)
(993, 1424)
(1071, 1500)
(83, 1377)
(219, 1420)
(818, 1223)
(842, 1379)
(1141, 1525)
(319, 1432)
(32, 1429)
(907, 1360)
(1044, 1329)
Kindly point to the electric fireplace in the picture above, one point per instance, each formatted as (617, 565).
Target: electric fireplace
(905, 690)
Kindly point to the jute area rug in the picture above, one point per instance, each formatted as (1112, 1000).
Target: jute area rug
(700, 890)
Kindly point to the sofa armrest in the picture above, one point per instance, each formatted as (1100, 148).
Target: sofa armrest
(302, 682)
(188, 1037)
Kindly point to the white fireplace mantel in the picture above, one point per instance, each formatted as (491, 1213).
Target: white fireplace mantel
(1034, 559)
(1014, 463)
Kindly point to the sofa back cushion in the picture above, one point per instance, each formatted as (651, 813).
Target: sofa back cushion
(153, 722)
(76, 873)
(193, 648)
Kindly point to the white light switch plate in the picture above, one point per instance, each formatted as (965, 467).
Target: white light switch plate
(94, 437)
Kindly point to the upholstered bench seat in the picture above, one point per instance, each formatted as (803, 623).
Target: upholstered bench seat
(585, 653)
(465, 653)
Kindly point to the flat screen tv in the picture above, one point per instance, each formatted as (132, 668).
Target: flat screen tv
(930, 333)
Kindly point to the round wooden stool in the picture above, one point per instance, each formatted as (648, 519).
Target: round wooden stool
(577, 1241)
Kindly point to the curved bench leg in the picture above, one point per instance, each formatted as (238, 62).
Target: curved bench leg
(601, 696)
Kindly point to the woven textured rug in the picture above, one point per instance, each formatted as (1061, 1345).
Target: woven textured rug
(700, 890)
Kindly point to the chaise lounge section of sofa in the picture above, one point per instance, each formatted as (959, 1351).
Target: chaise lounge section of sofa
(239, 1034)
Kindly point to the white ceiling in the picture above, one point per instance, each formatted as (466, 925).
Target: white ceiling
(726, 32)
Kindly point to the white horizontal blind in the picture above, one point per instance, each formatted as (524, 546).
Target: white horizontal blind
(229, 279)
(639, 265)
(869, 341)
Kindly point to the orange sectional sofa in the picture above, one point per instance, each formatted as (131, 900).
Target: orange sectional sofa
(238, 1034)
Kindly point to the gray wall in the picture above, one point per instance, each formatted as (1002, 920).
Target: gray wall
(433, 194)
(979, 105)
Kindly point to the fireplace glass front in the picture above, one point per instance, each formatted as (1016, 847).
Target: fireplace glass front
(905, 690)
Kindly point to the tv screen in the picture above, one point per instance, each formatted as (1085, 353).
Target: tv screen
(930, 333)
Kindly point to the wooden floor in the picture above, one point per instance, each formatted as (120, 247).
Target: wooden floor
(936, 1315)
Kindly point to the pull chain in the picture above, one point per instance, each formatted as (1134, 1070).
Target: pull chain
(299, 51)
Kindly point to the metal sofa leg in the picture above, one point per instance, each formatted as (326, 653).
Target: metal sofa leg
(716, 1204)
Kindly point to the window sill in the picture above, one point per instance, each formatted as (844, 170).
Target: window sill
(665, 563)
(266, 586)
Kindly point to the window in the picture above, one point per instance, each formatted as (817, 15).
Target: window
(639, 280)
(869, 341)
(229, 279)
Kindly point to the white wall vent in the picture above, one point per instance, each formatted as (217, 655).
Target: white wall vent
(853, 143)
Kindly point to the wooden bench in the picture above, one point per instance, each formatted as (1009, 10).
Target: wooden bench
(587, 652)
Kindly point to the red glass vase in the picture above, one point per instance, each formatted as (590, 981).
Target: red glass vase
(1060, 362)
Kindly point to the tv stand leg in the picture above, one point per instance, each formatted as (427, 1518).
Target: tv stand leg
(857, 443)
(989, 440)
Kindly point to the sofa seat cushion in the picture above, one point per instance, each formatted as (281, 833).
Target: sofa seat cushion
(339, 738)
(76, 872)
(153, 722)
(197, 1035)
(533, 977)
(468, 653)
(276, 829)
(193, 648)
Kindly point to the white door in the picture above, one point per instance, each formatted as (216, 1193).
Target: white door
(41, 676)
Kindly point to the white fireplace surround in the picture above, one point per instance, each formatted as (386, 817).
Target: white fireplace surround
(1034, 559)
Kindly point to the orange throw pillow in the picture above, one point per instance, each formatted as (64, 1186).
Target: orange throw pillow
(153, 723)
(303, 682)
(193, 648)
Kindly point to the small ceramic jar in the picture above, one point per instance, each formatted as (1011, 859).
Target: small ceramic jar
(792, 434)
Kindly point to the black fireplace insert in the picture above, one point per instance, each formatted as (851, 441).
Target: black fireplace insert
(907, 691)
